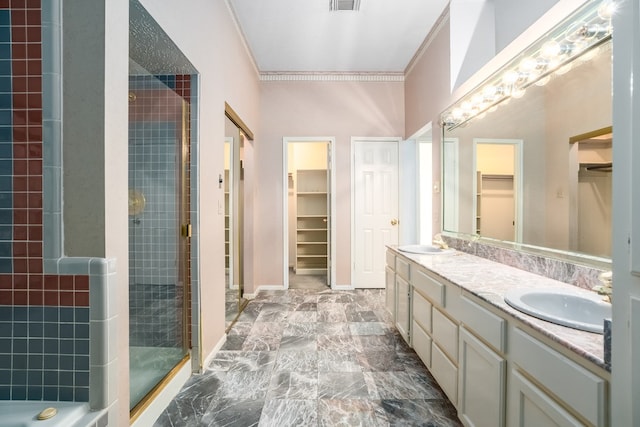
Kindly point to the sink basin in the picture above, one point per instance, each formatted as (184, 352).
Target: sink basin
(423, 249)
(583, 311)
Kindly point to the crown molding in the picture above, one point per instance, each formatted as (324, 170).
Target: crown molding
(332, 77)
(243, 38)
(440, 22)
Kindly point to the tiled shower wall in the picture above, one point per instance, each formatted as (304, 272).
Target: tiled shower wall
(44, 318)
(156, 292)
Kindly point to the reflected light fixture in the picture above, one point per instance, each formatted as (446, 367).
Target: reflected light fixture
(577, 37)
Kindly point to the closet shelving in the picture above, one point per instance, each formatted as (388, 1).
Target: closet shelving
(311, 222)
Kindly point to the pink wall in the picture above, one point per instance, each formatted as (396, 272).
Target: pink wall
(427, 94)
(306, 109)
(207, 35)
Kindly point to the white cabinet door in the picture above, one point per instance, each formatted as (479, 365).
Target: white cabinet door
(403, 305)
(531, 407)
(390, 292)
(481, 383)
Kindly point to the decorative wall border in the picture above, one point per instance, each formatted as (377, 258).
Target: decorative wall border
(333, 77)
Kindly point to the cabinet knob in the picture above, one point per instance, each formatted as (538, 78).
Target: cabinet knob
(394, 222)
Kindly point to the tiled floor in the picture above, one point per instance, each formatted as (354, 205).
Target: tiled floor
(304, 357)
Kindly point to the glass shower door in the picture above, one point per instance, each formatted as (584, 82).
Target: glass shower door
(158, 232)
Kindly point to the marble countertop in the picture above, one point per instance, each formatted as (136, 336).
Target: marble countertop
(489, 280)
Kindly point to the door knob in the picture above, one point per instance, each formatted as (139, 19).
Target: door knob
(394, 222)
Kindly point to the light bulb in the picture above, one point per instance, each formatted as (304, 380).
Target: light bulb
(457, 113)
(466, 106)
(510, 77)
(550, 49)
(607, 9)
(528, 64)
(489, 93)
(448, 120)
(518, 93)
(477, 100)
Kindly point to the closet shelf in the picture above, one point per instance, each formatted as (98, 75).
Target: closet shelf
(311, 222)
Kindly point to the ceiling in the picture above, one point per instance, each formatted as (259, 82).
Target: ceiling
(305, 36)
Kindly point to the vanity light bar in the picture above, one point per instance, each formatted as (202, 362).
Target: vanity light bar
(552, 54)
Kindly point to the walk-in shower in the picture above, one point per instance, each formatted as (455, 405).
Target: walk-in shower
(161, 117)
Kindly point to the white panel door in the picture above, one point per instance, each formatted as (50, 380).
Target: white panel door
(375, 209)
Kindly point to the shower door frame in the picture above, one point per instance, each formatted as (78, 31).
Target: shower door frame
(184, 228)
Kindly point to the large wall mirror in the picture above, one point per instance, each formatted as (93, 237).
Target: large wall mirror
(527, 154)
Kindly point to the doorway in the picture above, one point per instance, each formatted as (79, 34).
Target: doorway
(308, 212)
(374, 207)
(497, 204)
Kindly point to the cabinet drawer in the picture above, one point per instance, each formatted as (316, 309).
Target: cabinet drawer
(445, 333)
(491, 327)
(421, 343)
(445, 372)
(577, 387)
(429, 287)
(421, 311)
(391, 260)
(402, 268)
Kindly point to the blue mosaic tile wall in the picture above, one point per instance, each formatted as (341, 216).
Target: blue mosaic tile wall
(44, 353)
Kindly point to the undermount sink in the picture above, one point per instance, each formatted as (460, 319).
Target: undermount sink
(582, 311)
(423, 249)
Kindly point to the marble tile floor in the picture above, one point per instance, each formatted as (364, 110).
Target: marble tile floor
(307, 281)
(304, 357)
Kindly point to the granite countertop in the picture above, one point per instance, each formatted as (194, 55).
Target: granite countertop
(489, 280)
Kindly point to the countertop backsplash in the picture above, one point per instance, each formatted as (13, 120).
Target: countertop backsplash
(582, 276)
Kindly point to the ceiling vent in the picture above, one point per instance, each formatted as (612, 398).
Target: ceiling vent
(352, 5)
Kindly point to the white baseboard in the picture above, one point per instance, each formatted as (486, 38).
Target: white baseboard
(207, 360)
(264, 288)
(342, 288)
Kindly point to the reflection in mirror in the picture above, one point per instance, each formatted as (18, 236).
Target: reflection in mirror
(592, 178)
(233, 200)
(547, 204)
(498, 196)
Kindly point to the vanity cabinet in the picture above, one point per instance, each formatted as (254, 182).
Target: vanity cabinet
(529, 406)
(390, 292)
(390, 284)
(546, 386)
(403, 298)
(481, 383)
(435, 331)
(403, 308)
(495, 369)
(421, 327)
(483, 366)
